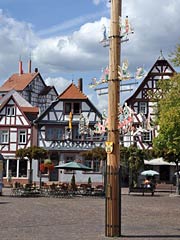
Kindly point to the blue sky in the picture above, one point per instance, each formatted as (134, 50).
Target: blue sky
(62, 37)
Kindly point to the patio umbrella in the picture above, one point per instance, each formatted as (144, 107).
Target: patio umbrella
(176, 173)
(73, 166)
(149, 173)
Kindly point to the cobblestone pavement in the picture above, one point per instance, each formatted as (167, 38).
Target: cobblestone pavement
(82, 218)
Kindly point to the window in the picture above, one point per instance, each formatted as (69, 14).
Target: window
(10, 111)
(69, 159)
(22, 137)
(4, 168)
(93, 164)
(54, 133)
(67, 108)
(12, 168)
(72, 107)
(88, 163)
(96, 165)
(76, 108)
(4, 136)
(22, 168)
(143, 107)
(146, 136)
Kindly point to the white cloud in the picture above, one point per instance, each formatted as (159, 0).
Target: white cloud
(58, 82)
(156, 27)
(79, 52)
(16, 40)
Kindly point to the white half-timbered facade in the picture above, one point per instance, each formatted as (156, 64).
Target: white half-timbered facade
(66, 129)
(16, 131)
(143, 103)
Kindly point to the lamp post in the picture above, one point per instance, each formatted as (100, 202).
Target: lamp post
(113, 195)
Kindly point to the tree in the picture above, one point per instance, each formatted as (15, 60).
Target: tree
(133, 158)
(31, 153)
(168, 140)
(175, 56)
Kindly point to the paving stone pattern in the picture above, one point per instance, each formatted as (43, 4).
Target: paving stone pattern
(82, 218)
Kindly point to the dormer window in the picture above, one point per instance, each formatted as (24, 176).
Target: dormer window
(10, 111)
(74, 107)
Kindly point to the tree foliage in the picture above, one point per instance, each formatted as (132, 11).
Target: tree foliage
(97, 153)
(175, 56)
(31, 153)
(168, 140)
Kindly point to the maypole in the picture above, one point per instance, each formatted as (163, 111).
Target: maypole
(113, 195)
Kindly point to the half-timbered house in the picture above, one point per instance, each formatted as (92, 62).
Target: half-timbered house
(66, 129)
(31, 86)
(143, 103)
(16, 131)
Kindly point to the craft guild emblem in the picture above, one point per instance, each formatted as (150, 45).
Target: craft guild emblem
(109, 147)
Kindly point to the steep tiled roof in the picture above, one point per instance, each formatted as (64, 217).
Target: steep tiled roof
(18, 81)
(25, 106)
(72, 92)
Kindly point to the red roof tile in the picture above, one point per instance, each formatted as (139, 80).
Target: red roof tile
(30, 109)
(18, 82)
(72, 92)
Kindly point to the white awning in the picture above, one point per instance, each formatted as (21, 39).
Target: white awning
(158, 161)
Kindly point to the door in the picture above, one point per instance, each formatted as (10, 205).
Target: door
(164, 173)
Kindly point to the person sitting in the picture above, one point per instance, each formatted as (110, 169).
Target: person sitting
(147, 183)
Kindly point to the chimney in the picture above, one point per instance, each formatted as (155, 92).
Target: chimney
(29, 66)
(20, 67)
(80, 84)
(36, 70)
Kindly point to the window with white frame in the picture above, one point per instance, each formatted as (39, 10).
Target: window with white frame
(4, 136)
(10, 111)
(143, 107)
(146, 136)
(22, 136)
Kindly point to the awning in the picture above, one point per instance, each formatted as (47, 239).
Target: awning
(158, 162)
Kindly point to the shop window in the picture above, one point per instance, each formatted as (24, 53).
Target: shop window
(22, 168)
(4, 168)
(12, 168)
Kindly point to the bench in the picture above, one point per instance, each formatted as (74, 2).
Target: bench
(142, 190)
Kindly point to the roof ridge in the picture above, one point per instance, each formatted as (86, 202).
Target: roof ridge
(72, 92)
